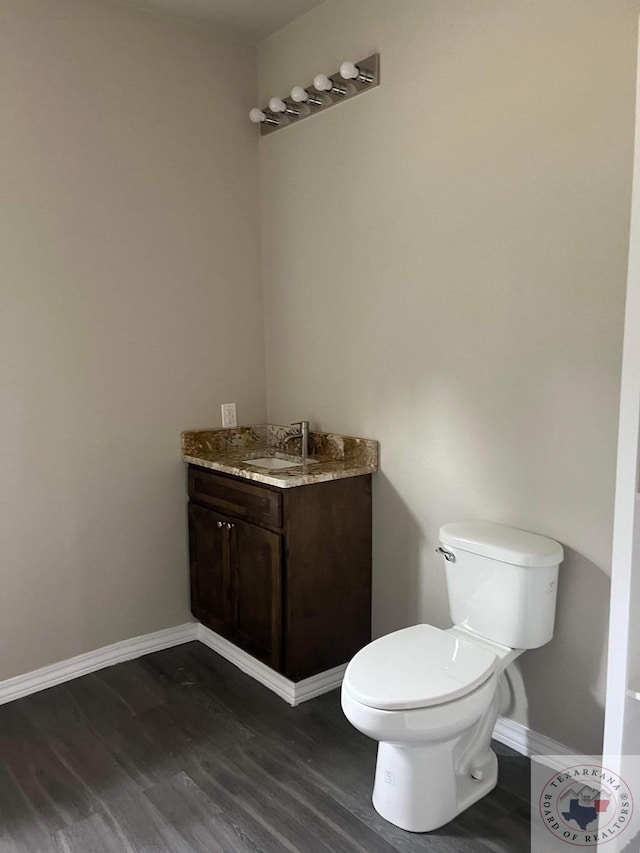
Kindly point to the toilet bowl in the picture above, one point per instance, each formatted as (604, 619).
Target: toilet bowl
(431, 697)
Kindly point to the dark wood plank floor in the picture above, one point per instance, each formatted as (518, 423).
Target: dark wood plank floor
(180, 752)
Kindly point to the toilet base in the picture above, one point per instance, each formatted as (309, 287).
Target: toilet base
(417, 788)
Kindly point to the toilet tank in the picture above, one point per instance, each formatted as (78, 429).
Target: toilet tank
(501, 582)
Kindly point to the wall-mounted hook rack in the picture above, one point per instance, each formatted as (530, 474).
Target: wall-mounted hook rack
(352, 79)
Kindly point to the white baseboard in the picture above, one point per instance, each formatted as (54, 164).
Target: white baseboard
(527, 742)
(56, 673)
(515, 735)
(292, 692)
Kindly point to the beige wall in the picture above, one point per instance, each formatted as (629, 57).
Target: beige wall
(130, 308)
(444, 268)
(444, 263)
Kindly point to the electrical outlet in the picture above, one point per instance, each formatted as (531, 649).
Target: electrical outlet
(229, 415)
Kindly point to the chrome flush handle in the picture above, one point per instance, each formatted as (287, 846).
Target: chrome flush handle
(449, 557)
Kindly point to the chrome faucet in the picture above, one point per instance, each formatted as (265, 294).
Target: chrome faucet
(303, 435)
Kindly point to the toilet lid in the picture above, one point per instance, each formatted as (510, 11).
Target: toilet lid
(415, 668)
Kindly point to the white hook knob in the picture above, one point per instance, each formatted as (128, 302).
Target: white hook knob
(322, 83)
(277, 105)
(257, 116)
(349, 71)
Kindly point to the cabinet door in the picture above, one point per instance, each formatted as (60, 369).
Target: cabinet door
(257, 591)
(210, 569)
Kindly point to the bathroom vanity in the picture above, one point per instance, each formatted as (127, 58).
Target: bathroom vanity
(280, 558)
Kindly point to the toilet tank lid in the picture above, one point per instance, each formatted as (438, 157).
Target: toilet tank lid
(506, 544)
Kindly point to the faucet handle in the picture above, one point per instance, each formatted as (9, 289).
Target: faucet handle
(302, 424)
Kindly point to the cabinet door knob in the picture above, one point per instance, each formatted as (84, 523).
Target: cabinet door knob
(229, 525)
(220, 523)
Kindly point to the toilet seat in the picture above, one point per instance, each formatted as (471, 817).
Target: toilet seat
(417, 667)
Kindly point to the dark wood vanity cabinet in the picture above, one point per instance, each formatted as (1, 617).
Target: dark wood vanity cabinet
(283, 573)
(235, 581)
(210, 589)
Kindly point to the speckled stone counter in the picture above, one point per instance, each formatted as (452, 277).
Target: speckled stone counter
(331, 456)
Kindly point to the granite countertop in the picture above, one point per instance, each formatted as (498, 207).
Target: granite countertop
(331, 456)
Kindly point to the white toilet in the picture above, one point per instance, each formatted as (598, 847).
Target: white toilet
(432, 697)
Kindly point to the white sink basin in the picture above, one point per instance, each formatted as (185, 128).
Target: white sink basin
(272, 462)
